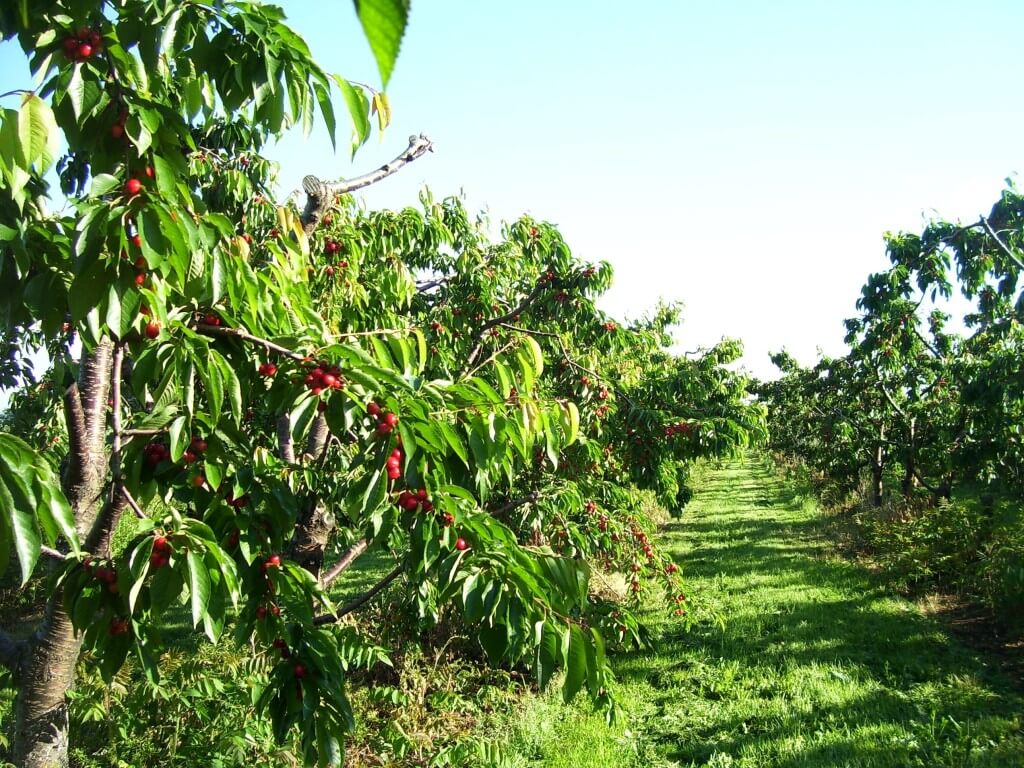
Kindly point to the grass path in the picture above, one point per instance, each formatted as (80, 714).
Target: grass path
(816, 664)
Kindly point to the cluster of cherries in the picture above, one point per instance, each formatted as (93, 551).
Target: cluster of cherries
(162, 550)
(610, 326)
(119, 626)
(84, 44)
(103, 572)
(323, 377)
(680, 428)
(332, 247)
(412, 500)
(394, 465)
(386, 423)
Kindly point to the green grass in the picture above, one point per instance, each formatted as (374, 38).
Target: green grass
(816, 663)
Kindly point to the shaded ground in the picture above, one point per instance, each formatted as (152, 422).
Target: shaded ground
(816, 664)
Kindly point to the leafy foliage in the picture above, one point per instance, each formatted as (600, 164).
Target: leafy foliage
(267, 393)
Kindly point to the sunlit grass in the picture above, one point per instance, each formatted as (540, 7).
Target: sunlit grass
(816, 665)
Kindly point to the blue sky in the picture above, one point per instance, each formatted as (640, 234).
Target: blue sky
(741, 157)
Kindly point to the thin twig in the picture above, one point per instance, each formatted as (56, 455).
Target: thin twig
(56, 554)
(244, 335)
(361, 600)
(1002, 246)
(346, 560)
(320, 193)
(531, 297)
(132, 503)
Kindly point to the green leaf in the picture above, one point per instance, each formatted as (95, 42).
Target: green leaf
(575, 653)
(384, 23)
(198, 586)
(103, 184)
(179, 437)
(40, 137)
(328, 746)
(358, 110)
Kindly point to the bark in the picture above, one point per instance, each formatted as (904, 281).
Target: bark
(910, 464)
(47, 670)
(878, 469)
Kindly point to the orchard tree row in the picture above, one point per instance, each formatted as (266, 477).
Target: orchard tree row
(261, 392)
(936, 404)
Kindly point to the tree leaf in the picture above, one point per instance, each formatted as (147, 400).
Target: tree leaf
(384, 23)
(198, 586)
(575, 654)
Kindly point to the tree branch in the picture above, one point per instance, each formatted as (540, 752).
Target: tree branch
(360, 601)
(1002, 246)
(346, 560)
(285, 449)
(319, 434)
(244, 335)
(529, 498)
(531, 297)
(319, 194)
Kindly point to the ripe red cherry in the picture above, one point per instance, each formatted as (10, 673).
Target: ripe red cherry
(461, 544)
(198, 481)
(84, 51)
(140, 279)
(137, 240)
(198, 445)
(391, 420)
(261, 612)
(372, 408)
(329, 380)
(299, 670)
(132, 187)
(274, 561)
(117, 130)
(152, 329)
(150, 173)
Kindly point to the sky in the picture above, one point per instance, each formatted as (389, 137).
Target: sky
(743, 158)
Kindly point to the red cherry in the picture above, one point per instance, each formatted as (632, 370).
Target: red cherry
(372, 408)
(261, 612)
(329, 380)
(152, 329)
(140, 263)
(140, 279)
(391, 420)
(150, 173)
(299, 670)
(329, 271)
(461, 544)
(198, 481)
(137, 240)
(132, 187)
(198, 445)
(84, 51)
(274, 561)
(117, 130)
